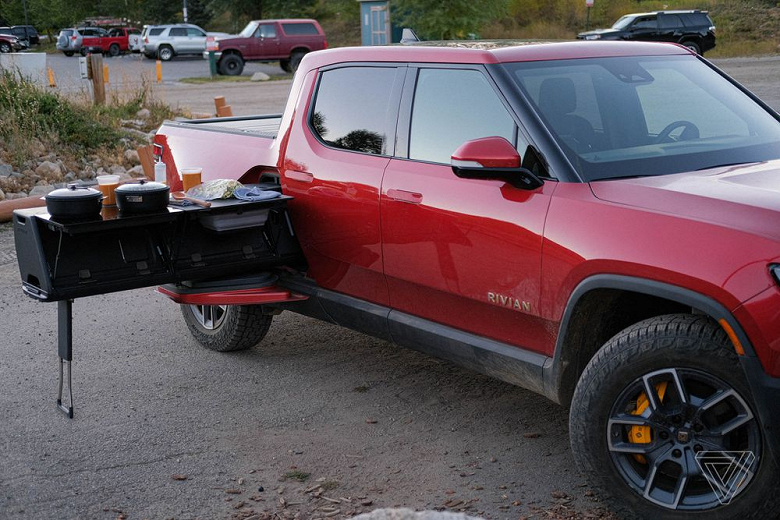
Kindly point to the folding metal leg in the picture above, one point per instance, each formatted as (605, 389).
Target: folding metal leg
(65, 350)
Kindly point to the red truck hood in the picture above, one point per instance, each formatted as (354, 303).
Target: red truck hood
(745, 197)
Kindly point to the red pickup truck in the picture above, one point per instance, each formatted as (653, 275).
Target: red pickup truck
(114, 42)
(269, 40)
(598, 222)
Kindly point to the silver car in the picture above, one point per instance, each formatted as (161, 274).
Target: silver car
(166, 41)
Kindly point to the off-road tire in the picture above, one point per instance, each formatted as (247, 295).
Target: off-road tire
(165, 53)
(68, 53)
(285, 65)
(231, 65)
(692, 46)
(680, 344)
(295, 60)
(114, 50)
(242, 327)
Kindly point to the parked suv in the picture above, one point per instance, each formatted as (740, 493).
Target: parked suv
(692, 29)
(70, 41)
(26, 33)
(166, 41)
(270, 40)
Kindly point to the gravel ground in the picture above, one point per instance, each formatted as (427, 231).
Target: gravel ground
(318, 422)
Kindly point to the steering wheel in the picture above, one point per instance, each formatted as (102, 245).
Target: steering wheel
(690, 131)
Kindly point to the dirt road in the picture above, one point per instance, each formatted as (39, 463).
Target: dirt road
(317, 422)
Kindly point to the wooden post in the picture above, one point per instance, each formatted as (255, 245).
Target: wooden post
(98, 87)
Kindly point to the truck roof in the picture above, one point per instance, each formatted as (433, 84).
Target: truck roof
(489, 52)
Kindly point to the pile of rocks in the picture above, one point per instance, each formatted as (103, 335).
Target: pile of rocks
(50, 170)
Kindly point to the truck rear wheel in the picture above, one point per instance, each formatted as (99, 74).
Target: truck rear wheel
(231, 65)
(285, 65)
(227, 328)
(660, 407)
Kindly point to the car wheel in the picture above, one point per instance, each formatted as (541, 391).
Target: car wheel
(231, 65)
(83, 51)
(165, 53)
(295, 60)
(68, 53)
(227, 328)
(5, 47)
(656, 409)
(692, 46)
(113, 50)
(285, 65)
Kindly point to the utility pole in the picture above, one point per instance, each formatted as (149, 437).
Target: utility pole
(24, 4)
(185, 11)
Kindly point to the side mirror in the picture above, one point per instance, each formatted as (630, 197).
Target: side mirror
(493, 158)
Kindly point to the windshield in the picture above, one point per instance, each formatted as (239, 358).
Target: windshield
(623, 22)
(646, 115)
(248, 31)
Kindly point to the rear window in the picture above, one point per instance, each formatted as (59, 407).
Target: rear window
(352, 108)
(299, 29)
(695, 19)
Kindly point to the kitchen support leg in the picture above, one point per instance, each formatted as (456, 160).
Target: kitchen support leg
(65, 350)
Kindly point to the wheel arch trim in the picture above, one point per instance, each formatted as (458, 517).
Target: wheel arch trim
(706, 304)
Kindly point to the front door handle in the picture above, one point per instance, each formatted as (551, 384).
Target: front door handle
(405, 196)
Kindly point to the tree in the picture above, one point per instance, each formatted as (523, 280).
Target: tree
(453, 19)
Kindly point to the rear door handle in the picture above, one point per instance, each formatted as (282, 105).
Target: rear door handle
(405, 196)
(299, 176)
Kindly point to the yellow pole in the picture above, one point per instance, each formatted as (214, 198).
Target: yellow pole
(105, 73)
(159, 71)
(52, 83)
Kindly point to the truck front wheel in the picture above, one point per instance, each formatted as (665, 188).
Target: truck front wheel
(114, 50)
(227, 328)
(295, 60)
(662, 420)
(231, 65)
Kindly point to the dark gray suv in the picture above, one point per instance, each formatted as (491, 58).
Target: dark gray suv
(692, 29)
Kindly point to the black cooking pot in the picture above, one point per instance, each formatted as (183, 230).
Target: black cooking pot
(74, 202)
(142, 197)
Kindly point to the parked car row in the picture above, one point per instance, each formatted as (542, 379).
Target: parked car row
(95, 39)
(10, 43)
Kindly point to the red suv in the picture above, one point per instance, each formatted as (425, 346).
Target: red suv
(270, 40)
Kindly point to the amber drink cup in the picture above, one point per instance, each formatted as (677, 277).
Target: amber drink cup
(190, 177)
(107, 184)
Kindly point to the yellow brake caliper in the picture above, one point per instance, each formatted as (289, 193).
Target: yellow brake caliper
(642, 434)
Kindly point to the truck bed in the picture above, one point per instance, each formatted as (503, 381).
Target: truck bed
(226, 148)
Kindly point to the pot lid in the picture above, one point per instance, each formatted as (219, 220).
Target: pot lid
(73, 191)
(142, 186)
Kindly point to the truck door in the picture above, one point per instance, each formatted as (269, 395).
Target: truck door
(461, 252)
(339, 145)
(265, 44)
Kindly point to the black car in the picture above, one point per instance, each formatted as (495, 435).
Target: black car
(693, 29)
(25, 33)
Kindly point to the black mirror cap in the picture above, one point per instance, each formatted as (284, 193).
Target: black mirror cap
(521, 178)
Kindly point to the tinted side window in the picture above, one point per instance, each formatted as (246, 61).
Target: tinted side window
(178, 31)
(645, 23)
(196, 33)
(452, 107)
(157, 31)
(352, 106)
(696, 19)
(669, 21)
(298, 29)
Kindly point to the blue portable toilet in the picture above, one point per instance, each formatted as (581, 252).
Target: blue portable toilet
(375, 27)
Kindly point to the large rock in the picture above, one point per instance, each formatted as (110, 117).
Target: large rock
(41, 190)
(260, 76)
(408, 514)
(48, 170)
(131, 157)
(6, 170)
(144, 113)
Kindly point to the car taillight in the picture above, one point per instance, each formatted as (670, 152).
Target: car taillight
(73, 38)
(146, 39)
(326, 44)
